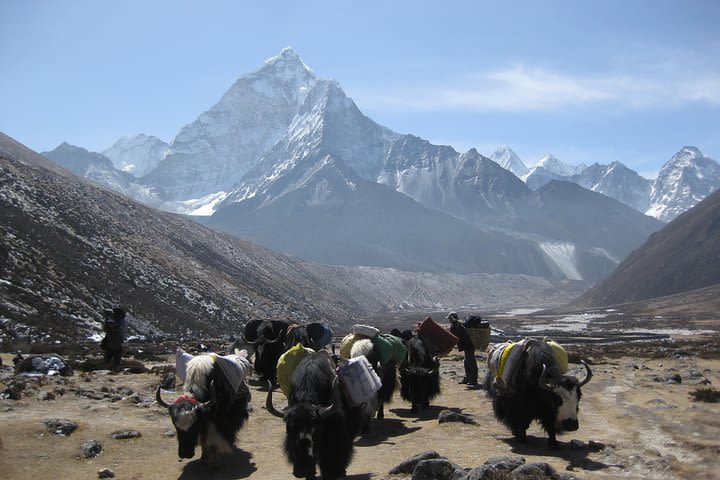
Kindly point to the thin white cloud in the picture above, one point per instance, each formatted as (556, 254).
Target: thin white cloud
(521, 88)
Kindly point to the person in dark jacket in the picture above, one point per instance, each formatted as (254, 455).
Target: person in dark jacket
(466, 346)
(111, 344)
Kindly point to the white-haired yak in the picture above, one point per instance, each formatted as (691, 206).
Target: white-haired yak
(213, 408)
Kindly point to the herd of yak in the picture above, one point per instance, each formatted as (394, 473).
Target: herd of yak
(322, 423)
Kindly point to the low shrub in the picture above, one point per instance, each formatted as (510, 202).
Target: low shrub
(707, 395)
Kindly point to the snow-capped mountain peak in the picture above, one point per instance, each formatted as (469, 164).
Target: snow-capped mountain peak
(509, 160)
(137, 154)
(214, 152)
(553, 165)
(287, 61)
(684, 180)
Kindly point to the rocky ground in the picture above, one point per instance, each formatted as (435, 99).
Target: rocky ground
(637, 420)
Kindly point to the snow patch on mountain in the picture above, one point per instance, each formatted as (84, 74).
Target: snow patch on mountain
(563, 255)
(203, 206)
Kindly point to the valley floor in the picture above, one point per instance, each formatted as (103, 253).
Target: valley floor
(650, 426)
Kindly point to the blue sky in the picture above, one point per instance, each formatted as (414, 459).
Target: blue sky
(629, 81)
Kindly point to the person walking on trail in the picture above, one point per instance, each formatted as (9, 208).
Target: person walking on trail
(466, 346)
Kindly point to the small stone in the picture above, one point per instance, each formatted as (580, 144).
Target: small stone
(124, 435)
(46, 396)
(91, 448)
(409, 465)
(169, 434)
(106, 473)
(451, 416)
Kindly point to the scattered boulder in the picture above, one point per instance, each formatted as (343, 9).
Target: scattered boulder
(505, 464)
(436, 469)
(535, 471)
(106, 473)
(10, 394)
(408, 466)
(43, 365)
(60, 426)
(675, 378)
(124, 435)
(451, 416)
(168, 382)
(46, 396)
(485, 472)
(91, 448)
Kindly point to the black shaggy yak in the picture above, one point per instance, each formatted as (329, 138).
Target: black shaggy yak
(419, 375)
(319, 427)
(268, 341)
(210, 412)
(540, 392)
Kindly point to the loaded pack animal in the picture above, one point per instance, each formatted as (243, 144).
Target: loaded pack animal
(536, 390)
(319, 426)
(419, 374)
(211, 411)
(268, 340)
(387, 373)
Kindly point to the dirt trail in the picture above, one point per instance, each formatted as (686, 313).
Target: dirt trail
(651, 430)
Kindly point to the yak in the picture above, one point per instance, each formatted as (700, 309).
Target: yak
(386, 372)
(419, 374)
(211, 411)
(268, 344)
(539, 391)
(319, 426)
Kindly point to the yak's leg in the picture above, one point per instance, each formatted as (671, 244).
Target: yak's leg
(381, 411)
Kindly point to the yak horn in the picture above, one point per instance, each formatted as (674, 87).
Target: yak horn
(159, 399)
(269, 403)
(589, 374)
(213, 397)
(337, 401)
(543, 380)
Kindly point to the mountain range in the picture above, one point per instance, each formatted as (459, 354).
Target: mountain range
(70, 248)
(286, 159)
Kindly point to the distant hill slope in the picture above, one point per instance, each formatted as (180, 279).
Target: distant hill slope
(683, 256)
(69, 248)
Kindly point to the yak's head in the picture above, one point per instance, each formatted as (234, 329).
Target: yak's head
(302, 422)
(565, 397)
(187, 414)
(268, 350)
(421, 381)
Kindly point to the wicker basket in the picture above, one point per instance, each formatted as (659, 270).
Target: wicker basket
(480, 337)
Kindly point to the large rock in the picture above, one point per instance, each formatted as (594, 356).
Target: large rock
(408, 466)
(60, 426)
(437, 469)
(535, 471)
